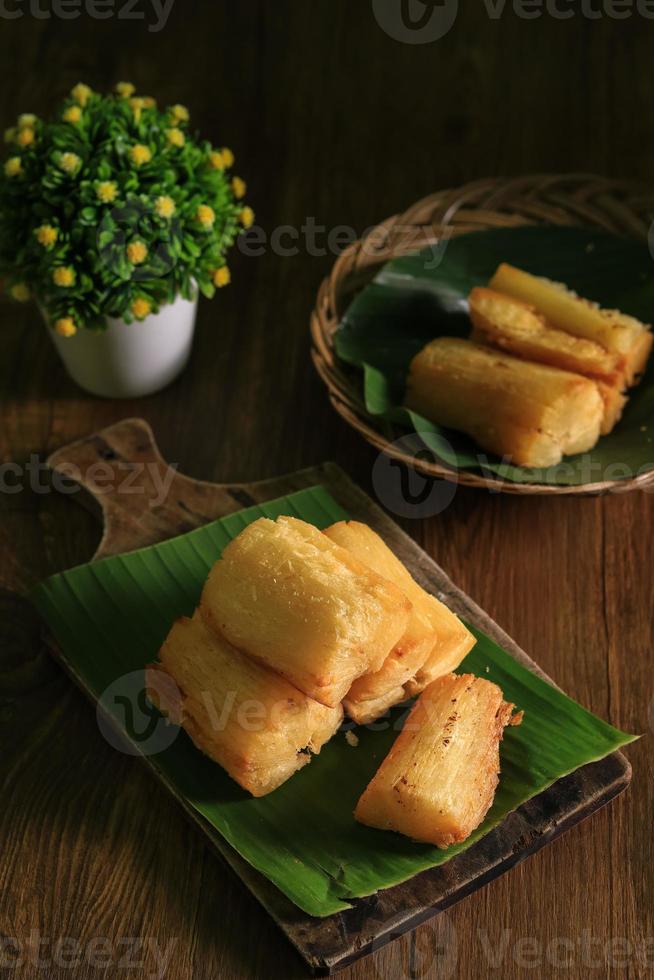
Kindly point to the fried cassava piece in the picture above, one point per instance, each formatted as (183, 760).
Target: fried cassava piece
(616, 332)
(516, 327)
(291, 598)
(439, 779)
(242, 715)
(534, 414)
(434, 642)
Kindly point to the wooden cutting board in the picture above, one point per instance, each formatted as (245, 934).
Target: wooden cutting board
(123, 474)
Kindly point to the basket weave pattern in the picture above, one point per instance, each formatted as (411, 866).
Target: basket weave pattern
(620, 207)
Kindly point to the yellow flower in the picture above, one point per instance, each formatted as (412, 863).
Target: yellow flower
(46, 235)
(63, 275)
(216, 160)
(25, 136)
(205, 215)
(106, 191)
(247, 217)
(125, 89)
(149, 102)
(179, 113)
(69, 162)
(239, 187)
(228, 157)
(164, 206)
(13, 167)
(81, 93)
(140, 308)
(222, 277)
(137, 252)
(27, 119)
(20, 292)
(137, 104)
(73, 114)
(140, 154)
(65, 327)
(10, 134)
(175, 136)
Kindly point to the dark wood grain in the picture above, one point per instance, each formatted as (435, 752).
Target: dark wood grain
(139, 514)
(330, 118)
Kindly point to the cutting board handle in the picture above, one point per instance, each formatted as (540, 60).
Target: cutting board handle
(141, 497)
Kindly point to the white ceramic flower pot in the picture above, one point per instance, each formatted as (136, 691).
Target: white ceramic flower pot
(128, 360)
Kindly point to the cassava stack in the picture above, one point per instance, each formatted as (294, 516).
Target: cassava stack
(297, 621)
(543, 375)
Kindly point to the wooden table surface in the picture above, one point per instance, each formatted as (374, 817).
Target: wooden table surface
(333, 122)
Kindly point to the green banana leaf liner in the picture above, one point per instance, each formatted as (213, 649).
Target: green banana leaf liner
(110, 617)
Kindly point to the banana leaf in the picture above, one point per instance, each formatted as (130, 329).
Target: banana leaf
(421, 296)
(109, 618)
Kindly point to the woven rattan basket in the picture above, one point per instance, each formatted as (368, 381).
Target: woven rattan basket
(575, 199)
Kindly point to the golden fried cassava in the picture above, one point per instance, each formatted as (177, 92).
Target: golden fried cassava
(532, 413)
(438, 781)
(435, 641)
(616, 332)
(242, 715)
(291, 598)
(516, 327)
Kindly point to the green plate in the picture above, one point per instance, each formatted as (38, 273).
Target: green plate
(110, 617)
(418, 297)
